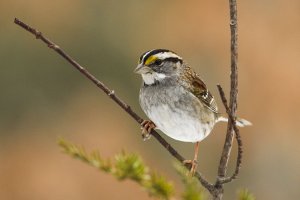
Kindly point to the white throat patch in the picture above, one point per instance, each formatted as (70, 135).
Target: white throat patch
(150, 78)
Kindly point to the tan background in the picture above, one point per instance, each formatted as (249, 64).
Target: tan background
(42, 97)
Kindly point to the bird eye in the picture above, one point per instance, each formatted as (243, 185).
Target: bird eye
(158, 62)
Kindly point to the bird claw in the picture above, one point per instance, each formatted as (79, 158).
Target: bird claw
(147, 127)
(192, 164)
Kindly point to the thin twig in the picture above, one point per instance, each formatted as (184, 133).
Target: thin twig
(231, 111)
(112, 95)
(233, 90)
(237, 136)
(233, 93)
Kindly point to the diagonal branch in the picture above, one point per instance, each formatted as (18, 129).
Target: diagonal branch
(111, 94)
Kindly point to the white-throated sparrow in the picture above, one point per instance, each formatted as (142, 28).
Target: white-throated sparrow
(176, 100)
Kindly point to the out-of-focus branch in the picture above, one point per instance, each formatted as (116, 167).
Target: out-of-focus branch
(111, 94)
(125, 166)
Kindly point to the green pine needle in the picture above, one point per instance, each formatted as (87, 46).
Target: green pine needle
(131, 166)
(192, 189)
(244, 194)
(125, 166)
(158, 186)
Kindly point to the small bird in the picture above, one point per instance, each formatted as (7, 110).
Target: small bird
(176, 100)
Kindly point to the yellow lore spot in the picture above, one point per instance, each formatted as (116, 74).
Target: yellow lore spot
(150, 60)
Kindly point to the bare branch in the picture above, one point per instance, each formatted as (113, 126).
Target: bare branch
(237, 136)
(231, 111)
(233, 91)
(112, 95)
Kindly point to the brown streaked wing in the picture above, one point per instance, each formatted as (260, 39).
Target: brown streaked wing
(199, 89)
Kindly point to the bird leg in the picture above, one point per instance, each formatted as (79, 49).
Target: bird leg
(147, 127)
(193, 162)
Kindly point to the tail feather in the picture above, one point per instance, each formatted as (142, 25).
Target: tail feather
(239, 122)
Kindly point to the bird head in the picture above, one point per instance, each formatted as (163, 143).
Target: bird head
(158, 64)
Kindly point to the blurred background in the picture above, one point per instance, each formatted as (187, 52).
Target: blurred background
(42, 97)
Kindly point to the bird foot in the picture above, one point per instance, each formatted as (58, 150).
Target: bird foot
(147, 127)
(192, 164)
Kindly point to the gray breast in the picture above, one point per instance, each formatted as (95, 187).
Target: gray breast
(176, 111)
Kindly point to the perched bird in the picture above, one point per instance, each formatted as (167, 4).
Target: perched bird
(176, 100)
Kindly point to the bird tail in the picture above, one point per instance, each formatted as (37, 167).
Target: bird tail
(239, 122)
